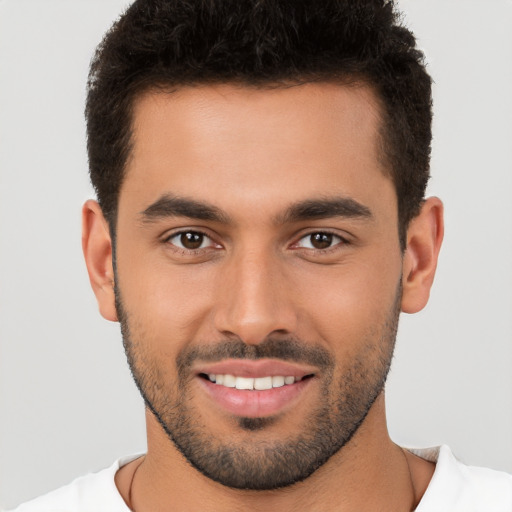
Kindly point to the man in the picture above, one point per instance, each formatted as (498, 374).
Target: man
(261, 222)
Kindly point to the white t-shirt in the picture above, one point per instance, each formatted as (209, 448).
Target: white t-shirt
(453, 488)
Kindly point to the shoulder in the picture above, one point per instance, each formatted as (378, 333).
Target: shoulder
(458, 487)
(95, 491)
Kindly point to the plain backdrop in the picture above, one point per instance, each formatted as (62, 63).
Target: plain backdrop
(67, 403)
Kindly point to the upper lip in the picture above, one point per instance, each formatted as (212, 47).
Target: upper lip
(255, 368)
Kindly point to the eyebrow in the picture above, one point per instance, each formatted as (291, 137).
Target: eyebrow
(309, 209)
(174, 206)
(324, 208)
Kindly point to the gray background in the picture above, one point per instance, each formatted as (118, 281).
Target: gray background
(67, 404)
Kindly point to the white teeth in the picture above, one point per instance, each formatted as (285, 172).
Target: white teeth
(229, 381)
(262, 383)
(244, 383)
(258, 383)
(277, 381)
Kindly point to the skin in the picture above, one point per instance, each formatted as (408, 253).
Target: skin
(253, 154)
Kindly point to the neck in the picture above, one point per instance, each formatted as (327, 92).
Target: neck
(368, 473)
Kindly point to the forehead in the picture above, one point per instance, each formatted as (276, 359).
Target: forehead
(226, 141)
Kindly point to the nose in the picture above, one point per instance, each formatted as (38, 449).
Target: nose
(255, 299)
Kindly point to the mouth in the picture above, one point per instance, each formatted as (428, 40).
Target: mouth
(254, 389)
(253, 383)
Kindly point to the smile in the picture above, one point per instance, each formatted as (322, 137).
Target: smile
(253, 389)
(249, 383)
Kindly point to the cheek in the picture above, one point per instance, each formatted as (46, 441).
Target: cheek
(349, 303)
(170, 301)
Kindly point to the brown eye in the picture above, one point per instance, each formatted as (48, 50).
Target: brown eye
(319, 240)
(190, 240)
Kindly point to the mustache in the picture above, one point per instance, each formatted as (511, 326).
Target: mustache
(287, 349)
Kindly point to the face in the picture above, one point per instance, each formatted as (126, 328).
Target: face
(258, 274)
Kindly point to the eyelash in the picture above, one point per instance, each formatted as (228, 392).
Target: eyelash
(183, 250)
(336, 246)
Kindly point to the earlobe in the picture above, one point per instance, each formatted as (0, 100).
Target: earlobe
(424, 238)
(97, 248)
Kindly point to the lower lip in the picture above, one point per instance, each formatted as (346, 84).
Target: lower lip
(255, 404)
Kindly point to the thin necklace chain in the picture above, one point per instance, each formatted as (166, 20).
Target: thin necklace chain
(130, 500)
(411, 481)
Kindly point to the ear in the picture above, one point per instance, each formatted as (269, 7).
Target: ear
(424, 238)
(97, 247)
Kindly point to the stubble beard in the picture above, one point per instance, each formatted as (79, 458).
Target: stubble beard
(343, 405)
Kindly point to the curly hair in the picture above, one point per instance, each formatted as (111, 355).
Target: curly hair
(261, 43)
